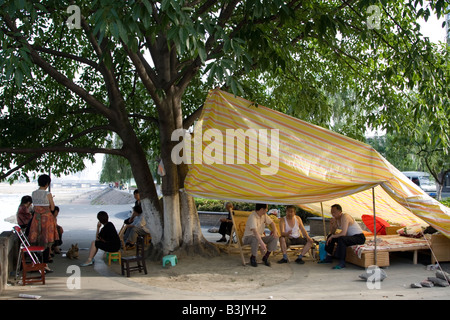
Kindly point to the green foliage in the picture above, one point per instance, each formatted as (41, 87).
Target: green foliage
(115, 169)
(219, 206)
(446, 202)
(316, 60)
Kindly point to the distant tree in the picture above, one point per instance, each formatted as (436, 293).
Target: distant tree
(398, 150)
(408, 151)
(115, 169)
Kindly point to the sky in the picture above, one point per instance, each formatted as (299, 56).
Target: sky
(433, 29)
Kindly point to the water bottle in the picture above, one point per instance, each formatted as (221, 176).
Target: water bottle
(322, 252)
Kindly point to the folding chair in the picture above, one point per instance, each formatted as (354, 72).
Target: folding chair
(32, 251)
(239, 219)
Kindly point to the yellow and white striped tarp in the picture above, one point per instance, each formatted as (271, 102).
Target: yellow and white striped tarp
(361, 203)
(246, 152)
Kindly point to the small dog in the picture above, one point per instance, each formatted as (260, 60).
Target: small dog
(72, 253)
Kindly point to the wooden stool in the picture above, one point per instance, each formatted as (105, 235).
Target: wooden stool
(32, 267)
(139, 258)
(114, 256)
(170, 258)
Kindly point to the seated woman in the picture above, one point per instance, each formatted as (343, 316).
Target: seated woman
(23, 215)
(107, 239)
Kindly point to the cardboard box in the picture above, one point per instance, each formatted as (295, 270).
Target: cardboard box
(392, 230)
(367, 258)
(440, 245)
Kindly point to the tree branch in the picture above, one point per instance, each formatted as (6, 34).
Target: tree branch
(203, 8)
(143, 74)
(66, 55)
(38, 152)
(20, 165)
(142, 117)
(183, 78)
(84, 133)
(55, 74)
(114, 94)
(192, 117)
(42, 150)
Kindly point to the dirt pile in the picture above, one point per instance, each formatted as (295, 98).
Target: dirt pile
(110, 196)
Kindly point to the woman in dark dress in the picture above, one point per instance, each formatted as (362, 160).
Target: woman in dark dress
(107, 239)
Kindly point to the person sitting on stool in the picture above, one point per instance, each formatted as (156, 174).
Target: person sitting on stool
(226, 224)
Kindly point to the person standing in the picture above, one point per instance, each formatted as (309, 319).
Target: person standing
(43, 226)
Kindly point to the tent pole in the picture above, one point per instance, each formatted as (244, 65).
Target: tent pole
(374, 228)
(323, 222)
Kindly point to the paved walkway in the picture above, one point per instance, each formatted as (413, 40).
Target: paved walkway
(309, 281)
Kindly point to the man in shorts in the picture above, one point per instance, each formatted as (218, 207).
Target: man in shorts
(292, 229)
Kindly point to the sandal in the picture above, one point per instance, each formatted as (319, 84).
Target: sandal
(87, 263)
(338, 267)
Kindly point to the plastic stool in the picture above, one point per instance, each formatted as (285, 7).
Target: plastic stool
(170, 258)
(114, 256)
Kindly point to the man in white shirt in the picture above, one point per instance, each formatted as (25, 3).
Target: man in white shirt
(254, 234)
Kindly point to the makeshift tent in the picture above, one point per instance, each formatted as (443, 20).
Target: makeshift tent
(245, 152)
(362, 203)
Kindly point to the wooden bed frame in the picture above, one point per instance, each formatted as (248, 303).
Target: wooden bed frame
(437, 244)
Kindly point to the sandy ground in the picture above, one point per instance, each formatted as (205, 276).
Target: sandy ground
(210, 275)
(217, 274)
(221, 277)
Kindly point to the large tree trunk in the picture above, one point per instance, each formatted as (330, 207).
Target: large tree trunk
(150, 203)
(182, 231)
(173, 223)
(193, 240)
